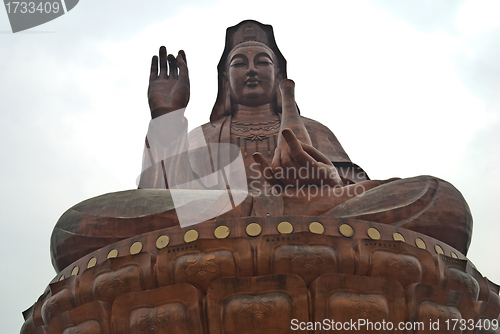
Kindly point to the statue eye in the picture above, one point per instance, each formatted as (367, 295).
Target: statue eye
(238, 63)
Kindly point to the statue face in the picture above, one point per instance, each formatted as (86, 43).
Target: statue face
(252, 74)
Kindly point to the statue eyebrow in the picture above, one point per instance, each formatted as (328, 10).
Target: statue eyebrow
(238, 55)
(267, 55)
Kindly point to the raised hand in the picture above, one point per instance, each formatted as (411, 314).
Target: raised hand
(168, 90)
(296, 162)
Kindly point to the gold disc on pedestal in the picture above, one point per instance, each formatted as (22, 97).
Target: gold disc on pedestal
(92, 262)
(112, 253)
(135, 248)
(162, 241)
(285, 228)
(253, 229)
(373, 233)
(190, 236)
(346, 230)
(316, 228)
(398, 237)
(221, 232)
(420, 243)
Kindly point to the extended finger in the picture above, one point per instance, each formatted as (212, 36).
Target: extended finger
(163, 62)
(288, 161)
(291, 139)
(172, 66)
(315, 154)
(154, 69)
(183, 55)
(287, 88)
(276, 162)
(181, 62)
(296, 150)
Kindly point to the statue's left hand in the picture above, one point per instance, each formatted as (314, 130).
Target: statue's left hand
(297, 163)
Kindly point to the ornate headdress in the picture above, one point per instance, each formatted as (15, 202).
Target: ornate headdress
(248, 30)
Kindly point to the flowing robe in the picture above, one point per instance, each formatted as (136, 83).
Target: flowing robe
(423, 204)
(203, 159)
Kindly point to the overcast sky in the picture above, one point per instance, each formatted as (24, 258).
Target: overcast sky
(408, 87)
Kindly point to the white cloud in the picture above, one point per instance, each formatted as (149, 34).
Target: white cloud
(475, 17)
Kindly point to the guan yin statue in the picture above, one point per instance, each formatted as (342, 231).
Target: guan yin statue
(259, 222)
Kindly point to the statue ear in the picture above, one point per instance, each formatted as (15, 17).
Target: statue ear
(226, 95)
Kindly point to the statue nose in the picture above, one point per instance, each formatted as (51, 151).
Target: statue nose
(252, 71)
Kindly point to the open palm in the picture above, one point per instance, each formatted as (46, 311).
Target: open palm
(168, 90)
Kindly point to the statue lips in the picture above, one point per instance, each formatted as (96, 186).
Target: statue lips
(252, 82)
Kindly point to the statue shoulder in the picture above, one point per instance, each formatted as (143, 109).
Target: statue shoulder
(325, 141)
(313, 125)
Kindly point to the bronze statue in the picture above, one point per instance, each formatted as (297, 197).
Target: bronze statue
(311, 238)
(256, 103)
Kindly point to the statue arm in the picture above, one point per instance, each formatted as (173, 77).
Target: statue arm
(166, 141)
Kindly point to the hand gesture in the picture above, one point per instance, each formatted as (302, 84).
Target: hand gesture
(168, 91)
(296, 162)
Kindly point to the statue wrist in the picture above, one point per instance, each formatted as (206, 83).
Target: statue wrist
(160, 111)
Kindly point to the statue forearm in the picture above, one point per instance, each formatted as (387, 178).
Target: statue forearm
(165, 140)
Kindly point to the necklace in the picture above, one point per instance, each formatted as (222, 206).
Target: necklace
(255, 132)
